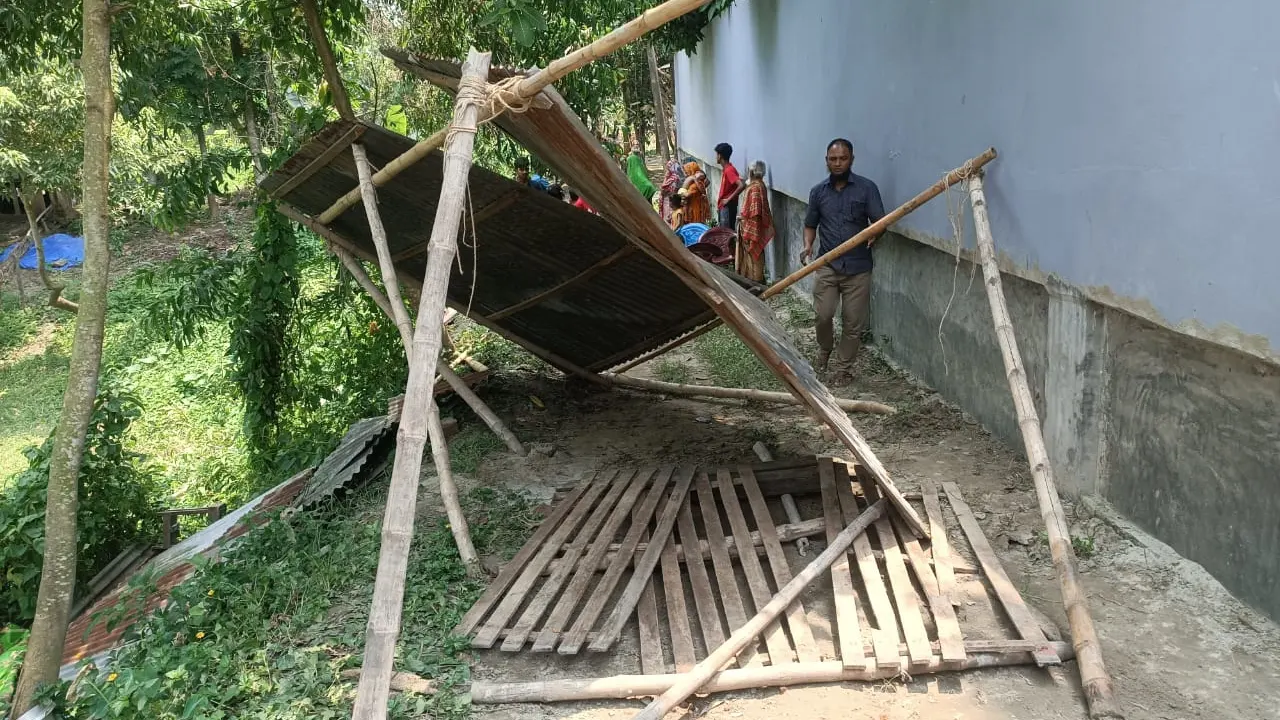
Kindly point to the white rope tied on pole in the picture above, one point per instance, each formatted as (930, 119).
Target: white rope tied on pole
(955, 214)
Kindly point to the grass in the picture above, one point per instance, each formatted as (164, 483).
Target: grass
(730, 363)
(471, 446)
(268, 632)
(673, 371)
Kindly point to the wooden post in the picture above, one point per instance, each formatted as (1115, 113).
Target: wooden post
(689, 683)
(523, 90)
(873, 231)
(659, 105)
(866, 406)
(397, 527)
(1093, 673)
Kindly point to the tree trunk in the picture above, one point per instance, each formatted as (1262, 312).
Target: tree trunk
(397, 525)
(55, 288)
(204, 157)
(250, 114)
(659, 106)
(57, 580)
(337, 91)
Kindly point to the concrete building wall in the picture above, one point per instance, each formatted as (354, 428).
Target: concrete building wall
(1130, 165)
(1129, 202)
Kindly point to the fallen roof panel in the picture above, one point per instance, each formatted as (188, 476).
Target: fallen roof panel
(550, 130)
(565, 284)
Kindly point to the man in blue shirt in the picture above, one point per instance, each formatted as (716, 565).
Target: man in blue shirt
(840, 207)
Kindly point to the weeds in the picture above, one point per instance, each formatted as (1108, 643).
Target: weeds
(673, 371)
(268, 632)
(470, 447)
(730, 363)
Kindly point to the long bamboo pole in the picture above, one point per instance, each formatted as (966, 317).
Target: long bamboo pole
(337, 90)
(622, 687)
(1093, 672)
(872, 231)
(521, 92)
(865, 406)
(397, 527)
(688, 683)
(400, 316)
(457, 384)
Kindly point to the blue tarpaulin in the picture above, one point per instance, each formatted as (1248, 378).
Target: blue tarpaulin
(691, 232)
(57, 247)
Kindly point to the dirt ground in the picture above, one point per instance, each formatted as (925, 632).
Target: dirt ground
(1177, 644)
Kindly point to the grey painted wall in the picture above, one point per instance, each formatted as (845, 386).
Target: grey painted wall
(1137, 139)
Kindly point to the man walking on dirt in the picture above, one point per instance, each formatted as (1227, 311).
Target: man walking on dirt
(840, 207)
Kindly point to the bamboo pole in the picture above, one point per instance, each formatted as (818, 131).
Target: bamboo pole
(866, 406)
(337, 90)
(460, 387)
(1093, 672)
(621, 687)
(872, 231)
(397, 528)
(518, 93)
(688, 683)
(788, 501)
(659, 105)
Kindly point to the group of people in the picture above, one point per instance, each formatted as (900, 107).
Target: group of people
(741, 207)
(840, 206)
(554, 189)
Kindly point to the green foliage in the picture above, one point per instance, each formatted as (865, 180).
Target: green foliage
(267, 632)
(179, 299)
(730, 363)
(17, 324)
(1085, 547)
(672, 371)
(42, 126)
(470, 447)
(259, 338)
(116, 495)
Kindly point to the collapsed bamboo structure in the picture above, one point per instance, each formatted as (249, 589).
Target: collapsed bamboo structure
(1093, 672)
(872, 231)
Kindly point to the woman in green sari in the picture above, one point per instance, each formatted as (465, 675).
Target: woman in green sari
(639, 175)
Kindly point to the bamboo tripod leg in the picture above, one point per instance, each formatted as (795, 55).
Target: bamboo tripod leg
(1093, 672)
(397, 528)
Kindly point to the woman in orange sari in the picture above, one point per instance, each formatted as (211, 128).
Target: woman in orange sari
(697, 208)
(755, 225)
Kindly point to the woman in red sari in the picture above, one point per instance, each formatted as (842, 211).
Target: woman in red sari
(755, 225)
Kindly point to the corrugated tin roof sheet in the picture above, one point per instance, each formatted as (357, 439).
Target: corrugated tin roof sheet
(345, 461)
(89, 636)
(552, 132)
(565, 284)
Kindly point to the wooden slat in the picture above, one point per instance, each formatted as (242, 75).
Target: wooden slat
(939, 544)
(774, 637)
(603, 589)
(726, 582)
(551, 292)
(904, 595)
(340, 145)
(801, 634)
(704, 598)
(585, 569)
(651, 660)
(488, 633)
(848, 630)
(677, 608)
(1023, 619)
(884, 631)
(647, 563)
(950, 639)
(517, 563)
